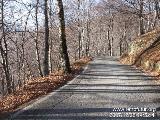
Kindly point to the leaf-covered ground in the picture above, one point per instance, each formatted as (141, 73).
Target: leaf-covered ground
(39, 86)
(149, 61)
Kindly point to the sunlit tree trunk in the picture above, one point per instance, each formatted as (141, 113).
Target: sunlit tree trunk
(62, 34)
(36, 41)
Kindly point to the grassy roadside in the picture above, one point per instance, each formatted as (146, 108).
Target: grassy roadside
(38, 87)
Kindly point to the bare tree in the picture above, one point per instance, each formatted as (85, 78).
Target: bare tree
(46, 50)
(37, 39)
(4, 51)
(62, 34)
(157, 8)
(93, 27)
(141, 22)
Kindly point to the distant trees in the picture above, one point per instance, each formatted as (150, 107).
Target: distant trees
(83, 26)
(141, 14)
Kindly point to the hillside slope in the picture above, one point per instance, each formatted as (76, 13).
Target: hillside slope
(144, 52)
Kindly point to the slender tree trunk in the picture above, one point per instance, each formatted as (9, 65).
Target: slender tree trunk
(149, 22)
(79, 44)
(110, 27)
(109, 43)
(64, 52)
(141, 26)
(46, 52)
(79, 31)
(88, 31)
(23, 63)
(51, 39)
(112, 51)
(88, 39)
(112, 39)
(157, 8)
(157, 13)
(36, 42)
(18, 64)
(120, 46)
(3, 84)
(4, 52)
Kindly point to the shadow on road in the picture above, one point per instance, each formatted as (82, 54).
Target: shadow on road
(104, 82)
(76, 114)
(108, 91)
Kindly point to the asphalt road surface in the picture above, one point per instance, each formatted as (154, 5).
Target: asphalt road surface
(105, 90)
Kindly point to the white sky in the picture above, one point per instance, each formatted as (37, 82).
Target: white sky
(21, 13)
(25, 1)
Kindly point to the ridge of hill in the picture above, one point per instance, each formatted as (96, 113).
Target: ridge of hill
(144, 53)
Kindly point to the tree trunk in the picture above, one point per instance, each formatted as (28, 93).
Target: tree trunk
(4, 52)
(120, 46)
(88, 35)
(141, 26)
(109, 43)
(79, 31)
(46, 52)
(36, 41)
(64, 52)
(157, 8)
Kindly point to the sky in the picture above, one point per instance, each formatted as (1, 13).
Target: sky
(16, 13)
(21, 14)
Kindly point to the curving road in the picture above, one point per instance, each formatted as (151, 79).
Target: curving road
(104, 85)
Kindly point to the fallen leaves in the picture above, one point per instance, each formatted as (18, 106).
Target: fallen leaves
(40, 86)
(149, 61)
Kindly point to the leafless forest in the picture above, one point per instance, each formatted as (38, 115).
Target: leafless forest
(40, 36)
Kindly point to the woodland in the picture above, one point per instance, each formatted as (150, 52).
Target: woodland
(39, 37)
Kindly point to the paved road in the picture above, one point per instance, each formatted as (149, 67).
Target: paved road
(104, 85)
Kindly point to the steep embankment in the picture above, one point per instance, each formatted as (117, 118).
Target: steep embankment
(144, 52)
